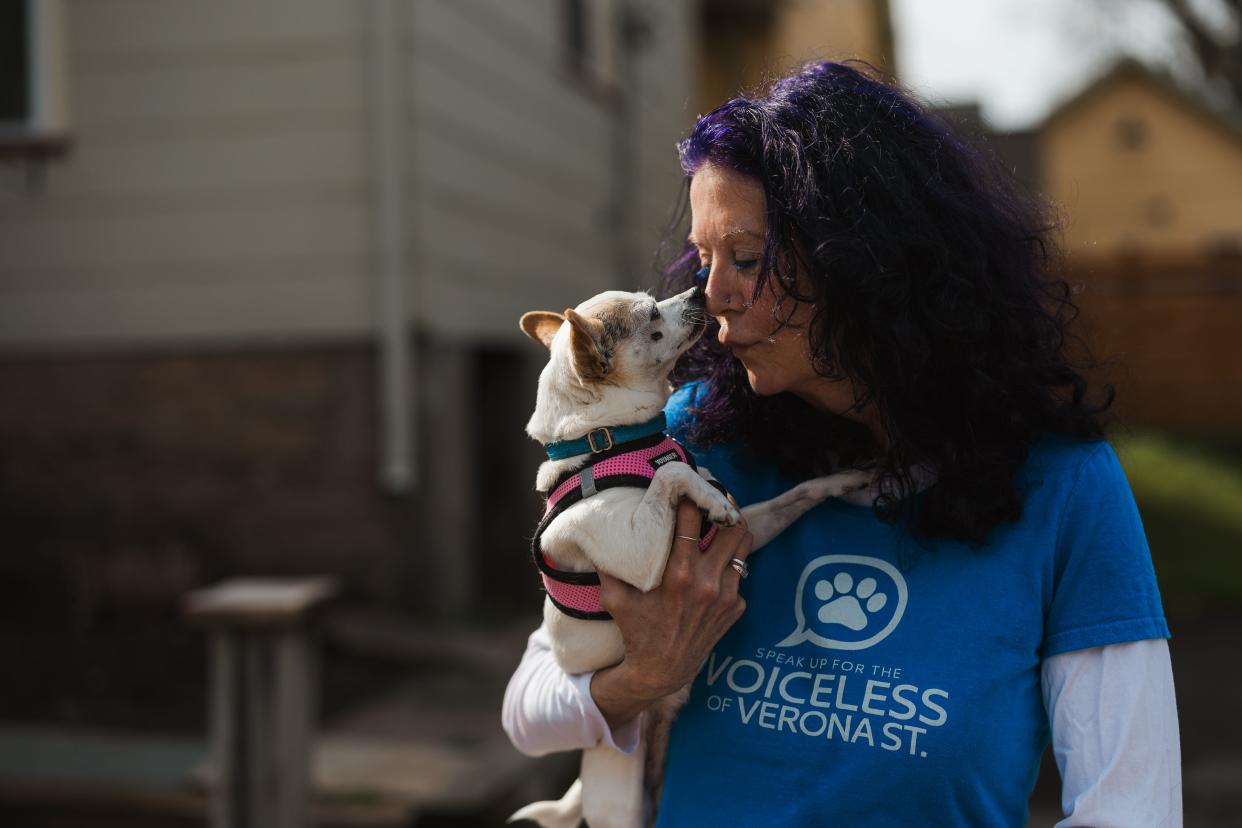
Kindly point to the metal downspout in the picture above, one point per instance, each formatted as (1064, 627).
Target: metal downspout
(386, 28)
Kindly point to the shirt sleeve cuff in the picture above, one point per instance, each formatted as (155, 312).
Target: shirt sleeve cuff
(1099, 635)
(624, 738)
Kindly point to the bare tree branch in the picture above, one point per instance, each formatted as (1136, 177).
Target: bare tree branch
(1205, 44)
(1218, 55)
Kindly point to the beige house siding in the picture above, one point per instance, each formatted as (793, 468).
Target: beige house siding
(663, 115)
(517, 199)
(513, 166)
(1177, 193)
(216, 189)
(219, 189)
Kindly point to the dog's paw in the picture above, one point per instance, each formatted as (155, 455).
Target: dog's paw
(840, 483)
(853, 480)
(724, 513)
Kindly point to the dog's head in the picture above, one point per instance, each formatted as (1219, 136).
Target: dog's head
(618, 339)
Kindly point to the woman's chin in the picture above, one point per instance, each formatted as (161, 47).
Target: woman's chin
(762, 384)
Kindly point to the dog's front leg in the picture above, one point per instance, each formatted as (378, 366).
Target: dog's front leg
(768, 519)
(650, 528)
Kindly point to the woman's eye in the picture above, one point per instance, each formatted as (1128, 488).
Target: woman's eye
(701, 273)
(745, 265)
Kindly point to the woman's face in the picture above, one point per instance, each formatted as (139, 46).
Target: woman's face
(729, 220)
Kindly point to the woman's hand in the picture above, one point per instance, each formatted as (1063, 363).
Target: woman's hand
(669, 631)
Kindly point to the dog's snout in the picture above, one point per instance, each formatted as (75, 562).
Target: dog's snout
(695, 309)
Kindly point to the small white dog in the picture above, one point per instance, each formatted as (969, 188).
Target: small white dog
(599, 413)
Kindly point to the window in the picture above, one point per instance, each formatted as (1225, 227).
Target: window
(1131, 132)
(14, 62)
(1159, 211)
(33, 103)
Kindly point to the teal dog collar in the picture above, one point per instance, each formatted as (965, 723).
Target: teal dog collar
(599, 440)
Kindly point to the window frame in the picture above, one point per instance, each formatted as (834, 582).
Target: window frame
(45, 128)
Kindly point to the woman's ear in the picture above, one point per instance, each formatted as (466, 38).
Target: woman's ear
(585, 334)
(541, 326)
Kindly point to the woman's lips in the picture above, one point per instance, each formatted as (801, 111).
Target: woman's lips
(734, 345)
(731, 340)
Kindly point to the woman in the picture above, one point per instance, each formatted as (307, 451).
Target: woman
(883, 301)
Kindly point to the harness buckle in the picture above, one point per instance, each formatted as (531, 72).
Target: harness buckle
(591, 440)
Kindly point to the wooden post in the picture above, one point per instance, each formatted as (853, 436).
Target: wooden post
(264, 680)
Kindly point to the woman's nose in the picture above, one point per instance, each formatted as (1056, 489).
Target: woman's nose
(720, 292)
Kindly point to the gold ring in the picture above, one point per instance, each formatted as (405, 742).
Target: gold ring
(687, 537)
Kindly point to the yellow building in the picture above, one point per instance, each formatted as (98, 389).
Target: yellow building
(1149, 186)
(1140, 169)
(745, 42)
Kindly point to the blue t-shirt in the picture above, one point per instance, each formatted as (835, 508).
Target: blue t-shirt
(871, 682)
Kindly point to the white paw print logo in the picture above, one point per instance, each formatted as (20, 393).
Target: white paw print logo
(854, 602)
(847, 609)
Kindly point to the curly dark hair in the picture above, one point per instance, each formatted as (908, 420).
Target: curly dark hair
(931, 291)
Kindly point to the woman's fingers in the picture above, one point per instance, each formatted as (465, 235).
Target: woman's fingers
(687, 565)
(669, 630)
(733, 542)
(613, 592)
(689, 521)
(730, 545)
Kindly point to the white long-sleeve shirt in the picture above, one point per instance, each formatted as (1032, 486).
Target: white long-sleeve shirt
(1112, 712)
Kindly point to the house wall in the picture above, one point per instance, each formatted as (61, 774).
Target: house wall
(1150, 193)
(750, 43)
(187, 301)
(1177, 194)
(663, 111)
(512, 154)
(216, 189)
(128, 479)
(219, 186)
(834, 30)
(518, 196)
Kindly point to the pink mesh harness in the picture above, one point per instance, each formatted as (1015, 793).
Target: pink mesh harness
(628, 464)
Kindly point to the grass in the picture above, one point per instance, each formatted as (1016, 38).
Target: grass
(1189, 491)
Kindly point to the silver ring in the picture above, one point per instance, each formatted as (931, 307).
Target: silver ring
(740, 567)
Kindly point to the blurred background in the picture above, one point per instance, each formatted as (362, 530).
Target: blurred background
(261, 264)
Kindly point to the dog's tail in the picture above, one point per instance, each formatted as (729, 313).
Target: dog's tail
(565, 812)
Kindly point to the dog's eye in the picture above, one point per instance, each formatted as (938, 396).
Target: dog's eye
(656, 336)
(655, 312)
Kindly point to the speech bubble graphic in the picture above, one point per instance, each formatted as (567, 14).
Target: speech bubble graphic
(847, 602)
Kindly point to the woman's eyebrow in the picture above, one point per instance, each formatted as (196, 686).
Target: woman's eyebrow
(737, 231)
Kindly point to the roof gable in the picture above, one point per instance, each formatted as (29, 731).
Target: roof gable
(1129, 69)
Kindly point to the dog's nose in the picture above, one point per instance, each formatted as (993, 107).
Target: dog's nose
(696, 298)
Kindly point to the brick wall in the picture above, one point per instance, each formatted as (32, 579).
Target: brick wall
(126, 479)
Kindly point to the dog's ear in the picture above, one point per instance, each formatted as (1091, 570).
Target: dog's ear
(541, 326)
(585, 335)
